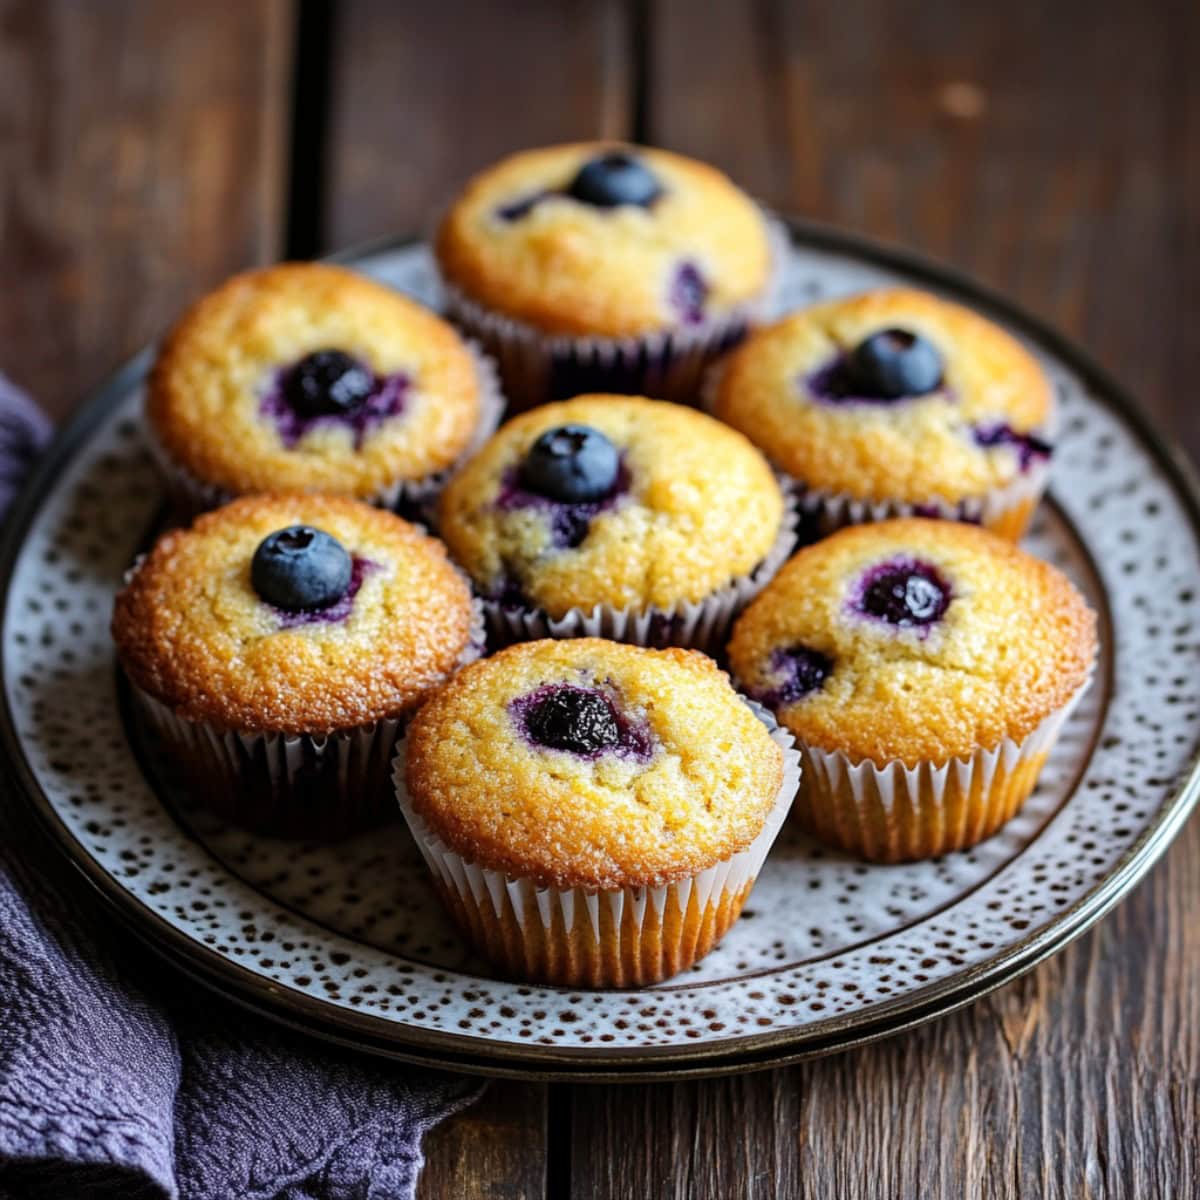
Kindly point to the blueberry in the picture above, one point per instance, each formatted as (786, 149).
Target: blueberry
(326, 383)
(574, 719)
(301, 568)
(803, 670)
(905, 593)
(689, 293)
(895, 363)
(572, 464)
(612, 179)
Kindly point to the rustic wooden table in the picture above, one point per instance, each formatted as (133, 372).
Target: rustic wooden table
(150, 147)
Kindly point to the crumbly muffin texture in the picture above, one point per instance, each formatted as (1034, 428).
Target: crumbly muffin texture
(958, 442)
(1010, 642)
(695, 788)
(192, 632)
(218, 374)
(697, 507)
(566, 267)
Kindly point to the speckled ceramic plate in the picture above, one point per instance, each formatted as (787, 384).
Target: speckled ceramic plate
(349, 943)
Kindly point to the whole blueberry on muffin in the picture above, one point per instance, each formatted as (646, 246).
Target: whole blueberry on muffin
(594, 814)
(602, 266)
(616, 515)
(926, 668)
(308, 377)
(895, 403)
(279, 645)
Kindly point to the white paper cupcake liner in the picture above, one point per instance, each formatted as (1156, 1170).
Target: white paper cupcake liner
(893, 813)
(1005, 510)
(698, 625)
(619, 937)
(409, 497)
(292, 785)
(669, 364)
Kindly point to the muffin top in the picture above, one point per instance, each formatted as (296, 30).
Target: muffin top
(890, 395)
(592, 764)
(293, 614)
(612, 500)
(605, 239)
(915, 640)
(308, 377)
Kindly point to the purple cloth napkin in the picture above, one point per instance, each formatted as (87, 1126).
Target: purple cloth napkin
(117, 1080)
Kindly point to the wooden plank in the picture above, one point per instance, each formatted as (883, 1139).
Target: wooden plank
(1048, 149)
(494, 1151)
(141, 160)
(425, 93)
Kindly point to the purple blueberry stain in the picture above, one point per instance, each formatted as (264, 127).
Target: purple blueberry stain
(568, 523)
(296, 402)
(579, 720)
(905, 592)
(514, 210)
(1029, 448)
(688, 294)
(797, 671)
(340, 609)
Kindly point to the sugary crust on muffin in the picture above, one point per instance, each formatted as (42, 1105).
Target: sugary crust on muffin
(216, 364)
(566, 821)
(915, 450)
(702, 508)
(1015, 644)
(571, 268)
(191, 631)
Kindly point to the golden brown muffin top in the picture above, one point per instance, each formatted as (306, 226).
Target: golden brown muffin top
(517, 243)
(697, 506)
(217, 395)
(191, 630)
(995, 641)
(687, 779)
(956, 442)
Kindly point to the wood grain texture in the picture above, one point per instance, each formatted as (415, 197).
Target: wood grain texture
(1048, 149)
(141, 152)
(427, 92)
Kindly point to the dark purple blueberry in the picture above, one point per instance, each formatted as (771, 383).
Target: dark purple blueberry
(801, 670)
(612, 179)
(327, 383)
(895, 363)
(1028, 446)
(341, 608)
(573, 464)
(689, 294)
(301, 568)
(514, 210)
(904, 592)
(576, 719)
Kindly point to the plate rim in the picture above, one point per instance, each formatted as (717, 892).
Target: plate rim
(742, 1052)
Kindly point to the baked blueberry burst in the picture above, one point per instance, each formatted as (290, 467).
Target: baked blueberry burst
(798, 671)
(903, 592)
(893, 364)
(579, 720)
(1028, 447)
(332, 387)
(609, 180)
(572, 472)
(307, 575)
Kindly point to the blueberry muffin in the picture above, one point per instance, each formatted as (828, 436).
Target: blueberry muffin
(601, 266)
(926, 668)
(307, 377)
(895, 403)
(631, 518)
(594, 814)
(279, 645)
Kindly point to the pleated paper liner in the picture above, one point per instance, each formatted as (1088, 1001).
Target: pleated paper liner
(893, 813)
(411, 498)
(666, 364)
(697, 625)
(611, 938)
